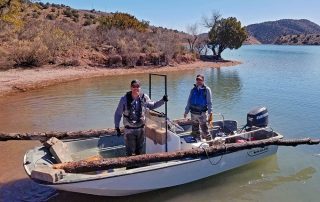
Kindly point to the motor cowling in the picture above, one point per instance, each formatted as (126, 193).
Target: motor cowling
(257, 117)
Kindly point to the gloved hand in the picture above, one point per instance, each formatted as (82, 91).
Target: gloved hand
(210, 119)
(165, 98)
(118, 132)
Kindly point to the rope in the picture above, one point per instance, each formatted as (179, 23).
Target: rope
(204, 149)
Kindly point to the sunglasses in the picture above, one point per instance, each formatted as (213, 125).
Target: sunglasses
(135, 86)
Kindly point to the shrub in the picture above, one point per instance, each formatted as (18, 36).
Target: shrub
(30, 53)
(75, 19)
(51, 17)
(130, 59)
(123, 21)
(53, 10)
(87, 22)
(295, 40)
(114, 61)
(68, 13)
(35, 15)
(70, 62)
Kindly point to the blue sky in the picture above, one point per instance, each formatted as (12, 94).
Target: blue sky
(177, 14)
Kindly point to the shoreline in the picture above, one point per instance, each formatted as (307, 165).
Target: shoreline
(15, 81)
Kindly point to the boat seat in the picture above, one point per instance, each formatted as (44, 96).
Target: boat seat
(227, 126)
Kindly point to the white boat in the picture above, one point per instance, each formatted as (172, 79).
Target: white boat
(122, 181)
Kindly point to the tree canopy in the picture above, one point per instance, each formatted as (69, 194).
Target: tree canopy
(226, 33)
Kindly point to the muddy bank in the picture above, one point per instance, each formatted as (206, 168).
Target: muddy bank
(22, 80)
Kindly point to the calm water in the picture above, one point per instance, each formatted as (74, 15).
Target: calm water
(285, 79)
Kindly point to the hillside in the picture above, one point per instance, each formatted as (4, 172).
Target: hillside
(300, 39)
(268, 32)
(56, 34)
(251, 41)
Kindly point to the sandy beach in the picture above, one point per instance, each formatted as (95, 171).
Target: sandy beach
(22, 80)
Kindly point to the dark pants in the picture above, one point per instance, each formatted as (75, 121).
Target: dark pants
(134, 139)
(199, 119)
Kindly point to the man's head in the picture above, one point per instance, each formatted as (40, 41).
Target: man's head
(199, 80)
(135, 86)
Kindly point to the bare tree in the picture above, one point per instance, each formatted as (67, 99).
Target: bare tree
(193, 31)
(201, 44)
(212, 23)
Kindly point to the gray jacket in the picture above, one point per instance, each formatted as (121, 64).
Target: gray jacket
(122, 110)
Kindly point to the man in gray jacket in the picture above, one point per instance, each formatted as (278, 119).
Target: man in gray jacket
(132, 107)
(199, 102)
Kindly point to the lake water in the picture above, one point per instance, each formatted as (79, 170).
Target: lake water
(285, 79)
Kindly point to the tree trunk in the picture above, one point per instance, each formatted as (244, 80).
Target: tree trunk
(145, 159)
(44, 136)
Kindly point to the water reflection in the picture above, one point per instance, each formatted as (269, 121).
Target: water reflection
(90, 103)
(25, 190)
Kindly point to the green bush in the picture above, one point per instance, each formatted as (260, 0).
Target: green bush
(68, 13)
(87, 22)
(123, 21)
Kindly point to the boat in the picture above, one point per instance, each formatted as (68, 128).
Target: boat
(162, 135)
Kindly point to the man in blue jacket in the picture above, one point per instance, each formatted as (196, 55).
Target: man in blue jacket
(199, 103)
(132, 107)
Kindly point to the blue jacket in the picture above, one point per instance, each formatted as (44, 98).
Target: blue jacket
(200, 97)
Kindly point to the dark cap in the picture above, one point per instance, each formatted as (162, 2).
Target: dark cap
(200, 76)
(135, 82)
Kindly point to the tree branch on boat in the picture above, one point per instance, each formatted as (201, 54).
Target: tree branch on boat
(145, 159)
(44, 136)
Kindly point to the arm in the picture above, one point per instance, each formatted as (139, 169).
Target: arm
(151, 104)
(209, 100)
(119, 111)
(187, 109)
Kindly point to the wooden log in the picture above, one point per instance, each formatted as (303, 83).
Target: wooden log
(44, 136)
(110, 163)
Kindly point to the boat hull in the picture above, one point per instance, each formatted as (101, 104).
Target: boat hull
(167, 176)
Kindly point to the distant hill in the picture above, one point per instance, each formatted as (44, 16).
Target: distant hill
(300, 39)
(251, 40)
(269, 32)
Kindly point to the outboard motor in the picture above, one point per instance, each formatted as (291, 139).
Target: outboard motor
(257, 117)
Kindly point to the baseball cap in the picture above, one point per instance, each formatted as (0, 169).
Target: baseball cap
(135, 82)
(200, 76)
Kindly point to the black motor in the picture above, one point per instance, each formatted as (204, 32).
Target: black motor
(257, 117)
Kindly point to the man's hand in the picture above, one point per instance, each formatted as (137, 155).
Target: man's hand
(165, 98)
(118, 132)
(185, 115)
